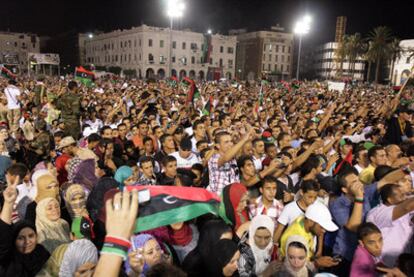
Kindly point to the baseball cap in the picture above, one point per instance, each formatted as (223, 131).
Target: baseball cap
(320, 214)
(66, 141)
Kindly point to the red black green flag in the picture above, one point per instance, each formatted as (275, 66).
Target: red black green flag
(193, 92)
(208, 106)
(84, 76)
(6, 73)
(170, 204)
(172, 81)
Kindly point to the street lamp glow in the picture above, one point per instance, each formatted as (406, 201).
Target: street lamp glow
(209, 31)
(175, 8)
(90, 35)
(302, 27)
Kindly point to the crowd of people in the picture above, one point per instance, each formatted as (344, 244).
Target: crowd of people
(312, 181)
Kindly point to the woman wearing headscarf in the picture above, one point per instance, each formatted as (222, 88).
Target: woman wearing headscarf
(145, 247)
(47, 186)
(75, 200)
(95, 206)
(296, 263)
(223, 259)
(211, 232)
(233, 207)
(125, 176)
(52, 230)
(82, 172)
(20, 254)
(79, 259)
(256, 252)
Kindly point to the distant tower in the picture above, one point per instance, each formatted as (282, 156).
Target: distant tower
(340, 28)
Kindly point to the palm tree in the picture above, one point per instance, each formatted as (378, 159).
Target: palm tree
(354, 47)
(379, 49)
(396, 51)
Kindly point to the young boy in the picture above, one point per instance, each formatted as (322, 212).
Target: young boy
(368, 251)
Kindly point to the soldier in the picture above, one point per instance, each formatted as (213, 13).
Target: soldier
(69, 105)
(39, 148)
(39, 91)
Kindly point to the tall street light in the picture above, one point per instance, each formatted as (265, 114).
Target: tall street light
(302, 27)
(175, 9)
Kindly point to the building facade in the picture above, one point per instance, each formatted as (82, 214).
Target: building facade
(264, 53)
(327, 66)
(403, 66)
(146, 49)
(14, 48)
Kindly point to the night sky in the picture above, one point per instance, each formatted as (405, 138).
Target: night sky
(49, 17)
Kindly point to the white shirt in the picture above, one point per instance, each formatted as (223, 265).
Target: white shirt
(26, 190)
(290, 213)
(185, 163)
(258, 163)
(12, 92)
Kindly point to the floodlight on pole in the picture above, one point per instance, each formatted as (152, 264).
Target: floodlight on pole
(302, 27)
(90, 35)
(175, 9)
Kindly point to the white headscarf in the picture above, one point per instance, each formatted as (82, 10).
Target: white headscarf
(303, 272)
(78, 253)
(261, 256)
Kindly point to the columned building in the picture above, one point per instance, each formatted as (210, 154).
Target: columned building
(146, 49)
(403, 66)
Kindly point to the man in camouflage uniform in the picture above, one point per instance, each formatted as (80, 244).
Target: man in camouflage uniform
(39, 91)
(39, 148)
(69, 106)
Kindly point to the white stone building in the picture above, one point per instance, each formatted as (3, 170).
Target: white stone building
(326, 65)
(147, 50)
(14, 48)
(403, 66)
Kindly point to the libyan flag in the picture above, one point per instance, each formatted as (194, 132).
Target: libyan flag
(84, 76)
(6, 73)
(172, 82)
(170, 204)
(193, 92)
(208, 106)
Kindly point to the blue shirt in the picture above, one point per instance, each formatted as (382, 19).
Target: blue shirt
(341, 209)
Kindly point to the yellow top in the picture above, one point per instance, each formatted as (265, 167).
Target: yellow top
(367, 175)
(297, 228)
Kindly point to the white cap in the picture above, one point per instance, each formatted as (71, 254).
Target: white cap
(320, 214)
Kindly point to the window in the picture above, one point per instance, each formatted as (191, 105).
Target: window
(283, 59)
(135, 43)
(230, 50)
(15, 44)
(277, 48)
(129, 58)
(135, 57)
(193, 46)
(264, 57)
(289, 50)
(173, 59)
(264, 47)
(288, 58)
(287, 68)
(150, 58)
(263, 67)
(221, 49)
(161, 44)
(269, 68)
(121, 58)
(281, 67)
(408, 60)
(270, 57)
(211, 60)
(283, 49)
(162, 59)
(129, 43)
(230, 63)
(150, 42)
(276, 56)
(174, 45)
(183, 47)
(193, 60)
(221, 62)
(275, 67)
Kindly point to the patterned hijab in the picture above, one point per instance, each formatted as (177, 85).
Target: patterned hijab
(82, 172)
(76, 207)
(51, 234)
(78, 253)
(43, 191)
(139, 241)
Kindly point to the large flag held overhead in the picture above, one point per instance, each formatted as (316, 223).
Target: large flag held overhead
(193, 92)
(6, 73)
(84, 76)
(170, 204)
